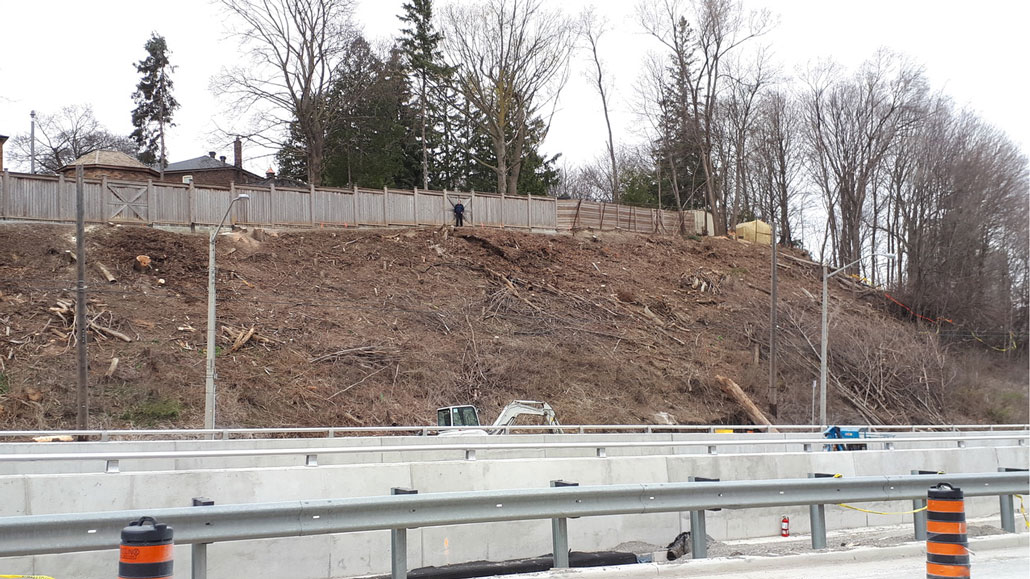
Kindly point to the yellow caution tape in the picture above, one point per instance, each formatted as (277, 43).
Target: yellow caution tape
(854, 508)
(1022, 511)
(1011, 346)
(880, 512)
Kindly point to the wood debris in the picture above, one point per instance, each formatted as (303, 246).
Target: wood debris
(740, 397)
(65, 311)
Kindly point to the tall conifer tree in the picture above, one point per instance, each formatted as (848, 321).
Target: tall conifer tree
(155, 104)
(419, 44)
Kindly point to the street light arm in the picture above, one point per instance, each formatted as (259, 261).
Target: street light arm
(214, 234)
(889, 256)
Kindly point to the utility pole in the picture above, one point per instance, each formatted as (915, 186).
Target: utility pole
(773, 397)
(81, 329)
(32, 143)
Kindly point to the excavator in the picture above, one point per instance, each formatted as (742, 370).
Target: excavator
(468, 416)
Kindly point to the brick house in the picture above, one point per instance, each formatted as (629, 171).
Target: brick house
(207, 170)
(111, 164)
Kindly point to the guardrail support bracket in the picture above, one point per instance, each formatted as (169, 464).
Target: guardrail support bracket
(919, 518)
(399, 543)
(698, 528)
(560, 533)
(1008, 511)
(198, 551)
(817, 517)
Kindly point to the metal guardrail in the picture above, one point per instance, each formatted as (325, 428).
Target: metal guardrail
(470, 450)
(337, 431)
(65, 533)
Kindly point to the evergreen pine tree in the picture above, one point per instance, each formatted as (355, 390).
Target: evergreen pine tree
(154, 103)
(420, 48)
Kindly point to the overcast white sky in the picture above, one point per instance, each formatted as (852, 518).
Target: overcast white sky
(60, 52)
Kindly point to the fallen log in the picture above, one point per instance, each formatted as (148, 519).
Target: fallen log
(110, 332)
(105, 272)
(740, 397)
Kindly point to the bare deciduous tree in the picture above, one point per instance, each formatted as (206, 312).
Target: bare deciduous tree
(698, 57)
(592, 29)
(511, 61)
(851, 125)
(65, 136)
(295, 48)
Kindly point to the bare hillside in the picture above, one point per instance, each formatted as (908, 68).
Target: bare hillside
(380, 327)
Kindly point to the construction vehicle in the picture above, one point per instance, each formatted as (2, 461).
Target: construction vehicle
(468, 416)
(836, 432)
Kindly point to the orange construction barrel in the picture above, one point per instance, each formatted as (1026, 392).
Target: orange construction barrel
(947, 549)
(146, 550)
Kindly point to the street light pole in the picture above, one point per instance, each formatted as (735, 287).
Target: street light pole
(32, 143)
(823, 333)
(209, 377)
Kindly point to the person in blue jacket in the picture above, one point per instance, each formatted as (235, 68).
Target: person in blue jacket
(459, 213)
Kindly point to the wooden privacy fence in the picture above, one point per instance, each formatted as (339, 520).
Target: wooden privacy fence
(50, 198)
(582, 214)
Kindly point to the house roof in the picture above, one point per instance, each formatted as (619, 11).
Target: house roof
(111, 160)
(108, 158)
(203, 163)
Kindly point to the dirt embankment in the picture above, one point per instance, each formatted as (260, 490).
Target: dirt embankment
(380, 327)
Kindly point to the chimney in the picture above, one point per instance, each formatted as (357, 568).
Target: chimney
(222, 159)
(211, 154)
(3, 139)
(237, 153)
(270, 174)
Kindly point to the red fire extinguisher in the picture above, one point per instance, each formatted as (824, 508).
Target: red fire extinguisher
(785, 526)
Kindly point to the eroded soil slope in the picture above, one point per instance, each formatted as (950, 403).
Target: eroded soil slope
(380, 327)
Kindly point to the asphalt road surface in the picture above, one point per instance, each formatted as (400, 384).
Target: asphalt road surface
(999, 557)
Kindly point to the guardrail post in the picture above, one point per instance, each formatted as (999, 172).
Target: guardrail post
(198, 552)
(817, 517)
(698, 530)
(1008, 511)
(919, 518)
(560, 533)
(399, 543)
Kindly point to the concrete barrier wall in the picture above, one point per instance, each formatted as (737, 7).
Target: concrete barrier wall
(371, 443)
(355, 554)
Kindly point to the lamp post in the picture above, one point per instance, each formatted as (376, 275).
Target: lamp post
(822, 349)
(209, 378)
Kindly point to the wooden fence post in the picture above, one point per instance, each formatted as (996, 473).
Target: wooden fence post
(150, 196)
(386, 220)
(502, 210)
(5, 183)
(60, 190)
(311, 206)
(529, 211)
(354, 205)
(600, 213)
(414, 205)
(271, 204)
(103, 193)
(190, 211)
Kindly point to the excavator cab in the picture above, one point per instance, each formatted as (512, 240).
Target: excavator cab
(457, 416)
